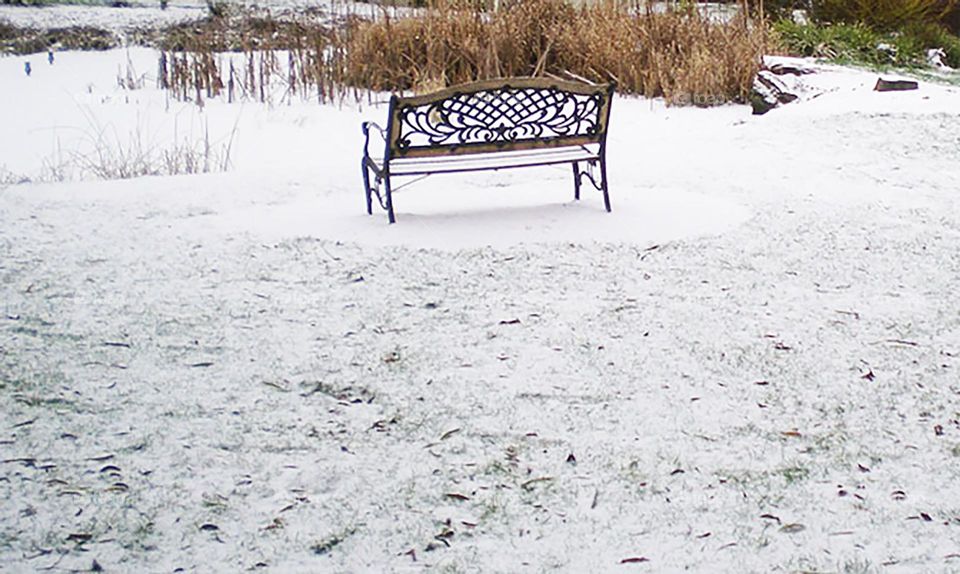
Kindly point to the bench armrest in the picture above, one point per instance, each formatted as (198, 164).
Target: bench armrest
(366, 135)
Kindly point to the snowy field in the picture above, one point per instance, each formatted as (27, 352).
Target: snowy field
(750, 365)
(147, 13)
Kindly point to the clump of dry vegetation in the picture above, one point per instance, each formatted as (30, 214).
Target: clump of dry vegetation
(23, 40)
(246, 52)
(675, 53)
(678, 53)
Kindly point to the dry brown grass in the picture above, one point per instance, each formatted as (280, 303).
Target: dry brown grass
(677, 54)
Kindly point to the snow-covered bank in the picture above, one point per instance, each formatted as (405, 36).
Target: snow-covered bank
(751, 370)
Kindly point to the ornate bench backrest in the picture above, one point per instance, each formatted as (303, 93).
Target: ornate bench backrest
(499, 115)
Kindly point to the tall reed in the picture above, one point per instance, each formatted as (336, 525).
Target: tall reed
(676, 53)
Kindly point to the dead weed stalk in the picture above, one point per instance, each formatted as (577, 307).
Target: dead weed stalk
(673, 52)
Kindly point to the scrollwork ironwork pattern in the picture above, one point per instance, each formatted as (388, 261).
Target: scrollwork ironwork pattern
(499, 116)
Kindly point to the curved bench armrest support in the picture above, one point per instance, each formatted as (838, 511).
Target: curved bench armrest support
(366, 126)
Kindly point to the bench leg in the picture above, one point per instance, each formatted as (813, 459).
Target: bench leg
(603, 182)
(366, 186)
(386, 181)
(576, 180)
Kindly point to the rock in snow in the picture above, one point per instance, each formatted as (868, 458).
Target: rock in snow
(895, 85)
(769, 91)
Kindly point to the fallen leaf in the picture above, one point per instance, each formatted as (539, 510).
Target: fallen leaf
(457, 496)
(510, 322)
(449, 433)
(275, 524)
(445, 534)
(379, 426)
(277, 386)
(792, 528)
(635, 560)
(533, 481)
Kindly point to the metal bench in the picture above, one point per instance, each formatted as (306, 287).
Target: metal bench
(494, 124)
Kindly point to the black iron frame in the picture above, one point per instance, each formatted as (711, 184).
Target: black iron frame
(438, 158)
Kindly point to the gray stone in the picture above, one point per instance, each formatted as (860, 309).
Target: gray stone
(769, 92)
(895, 85)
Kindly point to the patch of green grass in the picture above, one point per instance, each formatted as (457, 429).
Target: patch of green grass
(49, 402)
(795, 474)
(848, 44)
(326, 545)
(935, 36)
(883, 14)
(766, 483)
(491, 507)
(860, 44)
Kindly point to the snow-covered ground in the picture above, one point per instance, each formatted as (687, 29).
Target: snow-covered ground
(749, 365)
(140, 13)
(147, 13)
